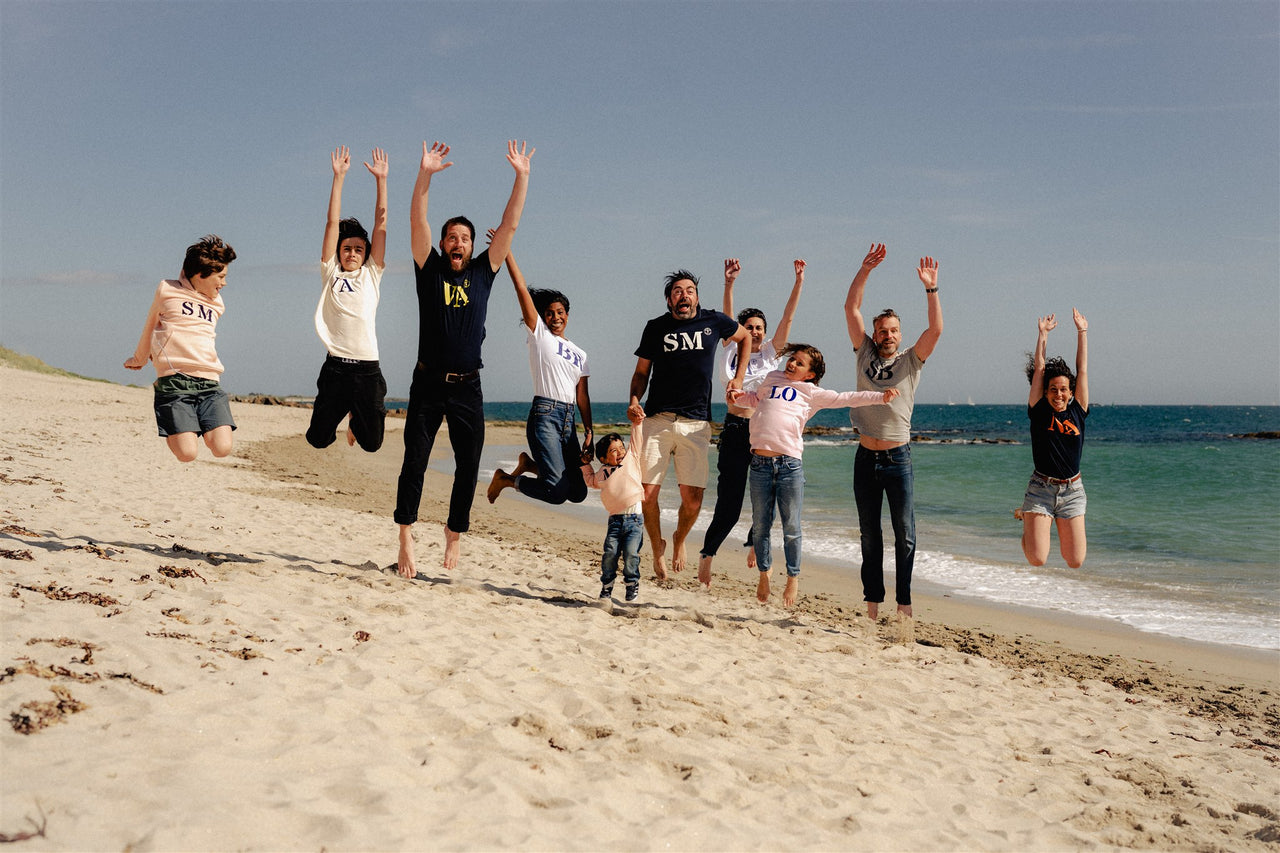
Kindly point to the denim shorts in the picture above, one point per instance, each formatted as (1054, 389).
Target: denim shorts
(1056, 500)
(186, 404)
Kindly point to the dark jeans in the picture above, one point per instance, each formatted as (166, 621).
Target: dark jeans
(880, 474)
(549, 431)
(623, 538)
(731, 482)
(461, 405)
(346, 387)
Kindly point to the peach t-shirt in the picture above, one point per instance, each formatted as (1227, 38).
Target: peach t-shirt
(182, 341)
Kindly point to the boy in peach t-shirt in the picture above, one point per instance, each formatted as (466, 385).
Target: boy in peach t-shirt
(178, 339)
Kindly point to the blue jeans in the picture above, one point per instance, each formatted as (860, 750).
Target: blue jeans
(776, 480)
(880, 474)
(554, 447)
(625, 536)
(731, 485)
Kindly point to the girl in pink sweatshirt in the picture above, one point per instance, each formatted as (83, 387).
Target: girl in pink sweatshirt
(784, 402)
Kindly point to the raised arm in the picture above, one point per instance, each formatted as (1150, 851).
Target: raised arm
(1044, 326)
(1082, 359)
(928, 273)
(528, 311)
(506, 230)
(378, 241)
(341, 159)
(639, 384)
(731, 269)
(419, 230)
(783, 331)
(857, 288)
(743, 339)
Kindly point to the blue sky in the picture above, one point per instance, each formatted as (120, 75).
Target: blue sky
(1119, 157)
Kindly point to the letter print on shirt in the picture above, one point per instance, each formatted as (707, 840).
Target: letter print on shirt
(455, 295)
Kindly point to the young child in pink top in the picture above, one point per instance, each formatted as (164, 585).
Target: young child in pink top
(784, 402)
(178, 339)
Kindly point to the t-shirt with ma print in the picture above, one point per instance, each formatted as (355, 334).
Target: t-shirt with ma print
(683, 355)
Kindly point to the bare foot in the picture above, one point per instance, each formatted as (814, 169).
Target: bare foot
(452, 545)
(660, 559)
(762, 588)
(351, 438)
(704, 571)
(525, 465)
(501, 480)
(873, 610)
(680, 558)
(1017, 513)
(751, 557)
(404, 562)
(791, 592)
(905, 610)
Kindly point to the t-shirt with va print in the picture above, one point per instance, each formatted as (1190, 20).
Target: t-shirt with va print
(683, 355)
(452, 308)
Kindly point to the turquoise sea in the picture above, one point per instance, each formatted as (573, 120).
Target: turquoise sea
(1183, 512)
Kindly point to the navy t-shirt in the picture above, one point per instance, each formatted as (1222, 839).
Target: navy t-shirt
(1057, 440)
(452, 307)
(683, 355)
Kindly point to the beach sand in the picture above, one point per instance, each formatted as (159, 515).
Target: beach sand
(220, 656)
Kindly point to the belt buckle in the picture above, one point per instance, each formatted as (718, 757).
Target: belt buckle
(452, 378)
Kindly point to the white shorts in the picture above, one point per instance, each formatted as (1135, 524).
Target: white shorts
(689, 441)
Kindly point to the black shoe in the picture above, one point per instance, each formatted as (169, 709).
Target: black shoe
(633, 591)
(606, 591)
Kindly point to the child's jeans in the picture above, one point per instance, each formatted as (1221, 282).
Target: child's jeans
(624, 538)
(776, 481)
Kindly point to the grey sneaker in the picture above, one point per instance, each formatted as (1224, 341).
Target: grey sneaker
(633, 592)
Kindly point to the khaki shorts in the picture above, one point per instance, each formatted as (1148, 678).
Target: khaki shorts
(689, 441)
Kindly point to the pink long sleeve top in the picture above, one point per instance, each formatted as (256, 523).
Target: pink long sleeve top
(783, 408)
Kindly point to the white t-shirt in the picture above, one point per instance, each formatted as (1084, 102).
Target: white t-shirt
(348, 308)
(556, 364)
(757, 369)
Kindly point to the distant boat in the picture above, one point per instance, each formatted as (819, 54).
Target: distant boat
(970, 401)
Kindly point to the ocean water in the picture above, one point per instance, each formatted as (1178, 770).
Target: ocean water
(1182, 524)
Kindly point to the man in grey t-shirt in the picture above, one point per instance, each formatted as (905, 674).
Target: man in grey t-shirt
(882, 466)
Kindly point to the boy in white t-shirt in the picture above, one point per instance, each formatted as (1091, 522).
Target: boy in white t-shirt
(351, 381)
(784, 402)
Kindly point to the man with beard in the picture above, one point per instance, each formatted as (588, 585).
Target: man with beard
(453, 300)
(882, 466)
(675, 360)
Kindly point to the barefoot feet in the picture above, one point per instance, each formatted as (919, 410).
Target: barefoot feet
(404, 562)
(452, 547)
(525, 465)
(501, 480)
(1017, 513)
(704, 571)
(791, 592)
(762, 588)
(873, 610)
(660, 559)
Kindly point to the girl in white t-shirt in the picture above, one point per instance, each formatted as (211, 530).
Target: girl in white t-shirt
(783, 404)
(559, 370)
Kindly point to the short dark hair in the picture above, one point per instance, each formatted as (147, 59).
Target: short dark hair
(603, 445)
(747, 313)
(544, 298)
(206, 257)
(817, 363)
(1053, 368)
(885, 315)
(458, 220)
(349, 228)
(678, 275)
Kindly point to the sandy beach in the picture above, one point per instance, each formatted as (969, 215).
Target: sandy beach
(220, 656)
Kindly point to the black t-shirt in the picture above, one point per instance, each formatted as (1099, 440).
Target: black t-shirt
(1057, 440)
(452, 308)
(683, 355)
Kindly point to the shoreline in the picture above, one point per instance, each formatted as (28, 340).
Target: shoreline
(1074, 645)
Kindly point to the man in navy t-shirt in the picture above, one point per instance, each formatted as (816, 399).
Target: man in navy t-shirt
(675, 361)
(453, 301)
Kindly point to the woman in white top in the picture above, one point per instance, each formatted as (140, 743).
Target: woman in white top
(559, 370)
(734, 457)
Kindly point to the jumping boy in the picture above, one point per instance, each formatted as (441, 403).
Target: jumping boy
(178, 339)
(351, 381)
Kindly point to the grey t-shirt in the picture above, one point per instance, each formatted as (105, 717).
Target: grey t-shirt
(891, 422)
